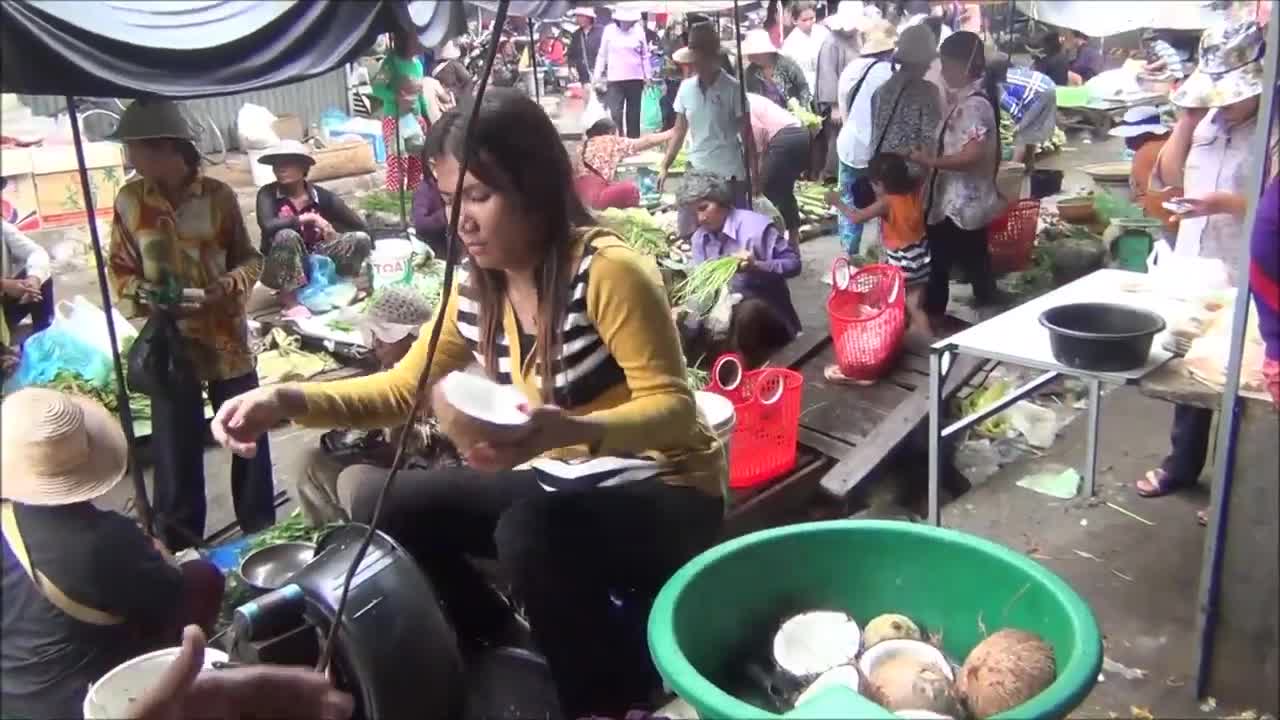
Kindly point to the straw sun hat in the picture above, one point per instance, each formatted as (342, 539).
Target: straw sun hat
(58, 449)
(288, 150)
(151, 119)
(757, 42)
(878, 35)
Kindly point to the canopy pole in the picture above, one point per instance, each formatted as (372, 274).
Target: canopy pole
(746, 109)
(1229, 411)
(141, 502)
(533, 61)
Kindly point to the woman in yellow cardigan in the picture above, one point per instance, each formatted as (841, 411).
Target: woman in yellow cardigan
(622, 484)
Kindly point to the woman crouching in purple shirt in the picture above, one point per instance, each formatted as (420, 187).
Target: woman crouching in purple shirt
(764, 319)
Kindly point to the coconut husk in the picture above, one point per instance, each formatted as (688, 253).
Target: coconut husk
(906, 683)
(1005, 670)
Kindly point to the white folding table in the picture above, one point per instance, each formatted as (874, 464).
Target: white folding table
(1017, 337)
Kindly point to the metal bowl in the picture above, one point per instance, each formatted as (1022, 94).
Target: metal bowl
(269, 568)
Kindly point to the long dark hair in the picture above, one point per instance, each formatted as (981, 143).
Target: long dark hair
(966, 47)
(516, 150)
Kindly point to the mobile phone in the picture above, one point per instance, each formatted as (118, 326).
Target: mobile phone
(1176, 205)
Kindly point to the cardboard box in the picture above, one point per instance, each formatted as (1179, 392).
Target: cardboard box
(59, 196)
(289, 127)
(342, 160)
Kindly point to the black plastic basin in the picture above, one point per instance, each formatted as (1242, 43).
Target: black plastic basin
(1103, 337)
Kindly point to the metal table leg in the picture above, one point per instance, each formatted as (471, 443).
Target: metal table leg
(935, 435)
(1091, 440)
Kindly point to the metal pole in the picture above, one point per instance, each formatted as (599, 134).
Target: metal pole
(746, 109)
(122, 390)
(1091, 438)
(533, 61)
(1228, 414)
(935, 434)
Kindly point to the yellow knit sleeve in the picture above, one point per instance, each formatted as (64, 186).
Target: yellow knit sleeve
(384, 399)
(628, 305)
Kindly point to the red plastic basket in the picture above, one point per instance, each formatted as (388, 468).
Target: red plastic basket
(1012, 236)
(766, 403)
(867, 310)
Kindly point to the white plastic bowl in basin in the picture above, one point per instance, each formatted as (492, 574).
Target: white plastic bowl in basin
(116, 693)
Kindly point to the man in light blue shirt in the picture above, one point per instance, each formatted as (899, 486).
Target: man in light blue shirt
(709, 111)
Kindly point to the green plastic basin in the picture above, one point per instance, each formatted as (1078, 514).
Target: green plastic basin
(950, 583)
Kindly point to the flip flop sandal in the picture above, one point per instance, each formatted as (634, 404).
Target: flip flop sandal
(1158, 481)
(833, 375)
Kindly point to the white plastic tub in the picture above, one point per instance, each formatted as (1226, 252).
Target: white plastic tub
(116, 693)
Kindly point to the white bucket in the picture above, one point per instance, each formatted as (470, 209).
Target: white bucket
(390, 261)
(719, 415)
(116, 693)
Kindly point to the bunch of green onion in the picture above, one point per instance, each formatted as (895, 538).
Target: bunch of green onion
(705, 281)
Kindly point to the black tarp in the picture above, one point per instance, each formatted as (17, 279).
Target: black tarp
(201, 48)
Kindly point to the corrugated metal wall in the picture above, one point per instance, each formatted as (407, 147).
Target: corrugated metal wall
(305, 99)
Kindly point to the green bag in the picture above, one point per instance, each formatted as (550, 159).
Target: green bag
(651, 109)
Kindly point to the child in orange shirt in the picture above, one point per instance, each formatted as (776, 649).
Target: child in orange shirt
(899, 203)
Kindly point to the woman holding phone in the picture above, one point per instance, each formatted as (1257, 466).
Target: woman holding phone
(1207, 154)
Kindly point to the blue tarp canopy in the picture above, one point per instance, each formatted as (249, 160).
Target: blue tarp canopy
(202, 48)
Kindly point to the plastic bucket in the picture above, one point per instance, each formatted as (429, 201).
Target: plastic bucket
(390, 262)
(713, 607)
(116, 693)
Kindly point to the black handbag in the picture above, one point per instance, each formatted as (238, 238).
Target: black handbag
(863, 194)
(158, 364)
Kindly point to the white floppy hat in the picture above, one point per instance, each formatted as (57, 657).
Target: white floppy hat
(152, 119)
(584, 12)
(683, 56)
(916, 44)
(622, 13)
(1140, 121)
(848, 17)
(449, 51)
(757, 42)
(58, 449)
(288, 150)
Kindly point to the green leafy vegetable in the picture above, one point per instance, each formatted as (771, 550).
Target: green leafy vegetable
(705, 281)
(809, 120)
(639, 229)
(385, 201)
(294, 528)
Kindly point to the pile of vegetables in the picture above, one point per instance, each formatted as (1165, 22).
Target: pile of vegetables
(809, 120)
(1056, 142)
(70, 382)
(705, 281)
(385, 201)
(680, 163)
(638, 229)
(812, 197)
(294, 528)
(895, 664)
(696, 377)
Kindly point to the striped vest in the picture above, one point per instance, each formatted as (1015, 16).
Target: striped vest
(584, 370)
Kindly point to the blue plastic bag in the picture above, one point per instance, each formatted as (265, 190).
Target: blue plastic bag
(321, 274)
(54, 350)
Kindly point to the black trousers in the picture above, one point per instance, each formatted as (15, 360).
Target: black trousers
(585, 565)
(1188, 445)
(785, 160)
(623, 101)
(40, 311)
(951, 245)
(177, 447)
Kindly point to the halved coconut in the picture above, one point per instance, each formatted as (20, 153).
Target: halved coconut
(904, 682)
(921, 651)
(844, 675)
(814, 642)
(471, 409)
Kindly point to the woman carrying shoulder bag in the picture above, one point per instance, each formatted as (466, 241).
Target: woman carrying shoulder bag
(962, 198)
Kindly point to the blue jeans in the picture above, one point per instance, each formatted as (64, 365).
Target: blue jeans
(850, 232)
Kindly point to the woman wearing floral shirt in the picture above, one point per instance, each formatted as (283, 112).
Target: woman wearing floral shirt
(961, 190)
(176, 227)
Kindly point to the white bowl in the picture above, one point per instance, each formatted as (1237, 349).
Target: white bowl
(814, 642)
(917, 649)
(480, 398)
(115, 694)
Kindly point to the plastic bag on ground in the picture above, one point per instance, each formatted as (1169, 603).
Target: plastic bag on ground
(411, 133)
(321, 273)
(54, 350)
(88, 322)
(253, 127)
(158, 361)
(595, 110)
